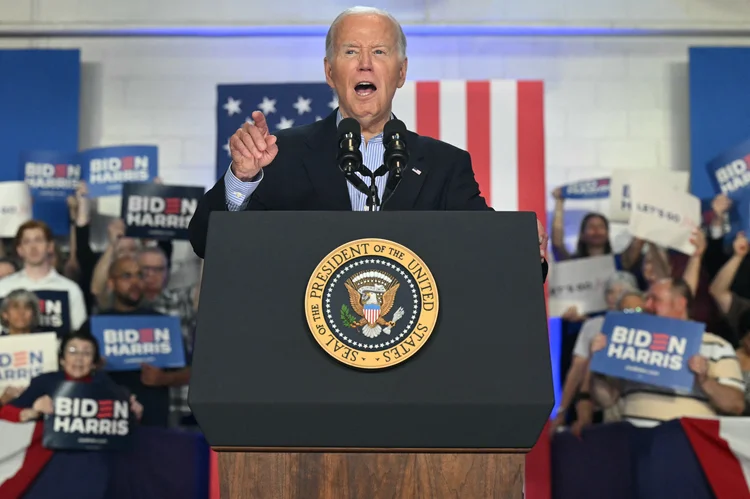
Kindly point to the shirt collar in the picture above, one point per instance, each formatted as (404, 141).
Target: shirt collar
(339, 118)
(50, 275)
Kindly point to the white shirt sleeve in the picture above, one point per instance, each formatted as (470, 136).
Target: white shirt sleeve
(586, 336)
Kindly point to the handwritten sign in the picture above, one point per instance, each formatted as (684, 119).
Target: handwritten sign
(663, 216)
(580, 283)
(621, 188)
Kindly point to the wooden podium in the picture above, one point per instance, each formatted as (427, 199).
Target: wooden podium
(407, 475)
(290, 420)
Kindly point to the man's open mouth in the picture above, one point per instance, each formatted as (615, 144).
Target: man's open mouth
(365, 88)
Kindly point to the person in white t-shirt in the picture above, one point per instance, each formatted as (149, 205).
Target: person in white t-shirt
(35, 245)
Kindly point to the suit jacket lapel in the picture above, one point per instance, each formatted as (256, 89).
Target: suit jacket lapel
(405, 195)
(328, 181)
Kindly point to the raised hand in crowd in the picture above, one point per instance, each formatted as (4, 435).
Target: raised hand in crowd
(80, 205)
(698, 239)
(721, 286)
(252, 148)
(720, 206)
(740, 245)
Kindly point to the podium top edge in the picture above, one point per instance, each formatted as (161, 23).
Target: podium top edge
(371, 450)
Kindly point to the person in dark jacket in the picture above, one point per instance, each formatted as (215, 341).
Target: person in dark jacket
(79, 357)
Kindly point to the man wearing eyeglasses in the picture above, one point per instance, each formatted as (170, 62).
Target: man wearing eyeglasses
(150, 385)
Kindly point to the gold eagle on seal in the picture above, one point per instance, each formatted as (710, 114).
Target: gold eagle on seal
(372, 294)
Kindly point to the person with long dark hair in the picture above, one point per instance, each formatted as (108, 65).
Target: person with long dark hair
(593, 237)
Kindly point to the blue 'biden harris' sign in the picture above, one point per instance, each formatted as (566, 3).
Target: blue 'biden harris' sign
(89, 416)
(126, 342)
(108, 168)
(587, 189)
(730, 171)
(649, 349)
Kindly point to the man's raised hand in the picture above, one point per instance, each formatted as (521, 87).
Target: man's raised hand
(252, 148)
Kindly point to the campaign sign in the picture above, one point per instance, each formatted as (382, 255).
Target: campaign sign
(664, 217)
(108, 168)
(587, 189)
(15, 207)
(649, 349)
(730, 171)
(159, 211)
(54, 311)
(24, 356)
(129, 341)
(51, 176)
(621, 188)
(88, 416)
(579, 283)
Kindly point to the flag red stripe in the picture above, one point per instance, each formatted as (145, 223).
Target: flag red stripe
(532, 197)
(478, 125)
(719, 463)
(34, 461)
(428, 108)
(531, 185)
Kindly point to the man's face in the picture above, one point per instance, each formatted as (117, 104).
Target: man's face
(154, 269)
(34, 248)
(127, 283)
(365, 51)
(661, 301)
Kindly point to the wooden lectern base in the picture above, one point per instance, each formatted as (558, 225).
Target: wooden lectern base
(363, 475)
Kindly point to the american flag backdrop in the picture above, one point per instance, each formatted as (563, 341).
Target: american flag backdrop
(500, 123)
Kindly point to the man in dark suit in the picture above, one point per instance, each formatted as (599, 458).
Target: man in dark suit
(295, 169)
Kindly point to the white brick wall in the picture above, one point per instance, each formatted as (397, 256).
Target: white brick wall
(610, 102)
(240, 12)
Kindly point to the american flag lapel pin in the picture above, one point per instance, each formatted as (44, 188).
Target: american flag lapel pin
(418, 172)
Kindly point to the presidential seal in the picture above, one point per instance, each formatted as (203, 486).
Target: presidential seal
(371, 303)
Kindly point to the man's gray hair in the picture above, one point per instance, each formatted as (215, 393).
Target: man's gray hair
(625, 279)
(354, 11)
(23, 297)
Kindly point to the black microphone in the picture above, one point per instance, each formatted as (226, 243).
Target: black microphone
(349, 157)
(396, 155)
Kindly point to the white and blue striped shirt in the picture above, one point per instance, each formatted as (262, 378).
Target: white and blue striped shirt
(238, 192)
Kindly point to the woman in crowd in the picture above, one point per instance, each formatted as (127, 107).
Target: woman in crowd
(593, 238)
(19, 313)
(79, 357)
